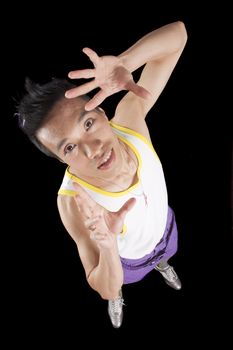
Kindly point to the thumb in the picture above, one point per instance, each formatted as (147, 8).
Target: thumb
(126, 208)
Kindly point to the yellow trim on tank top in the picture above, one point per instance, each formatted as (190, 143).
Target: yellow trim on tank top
(67, 192)
(124, 230)
(107, 193)
(134, 133)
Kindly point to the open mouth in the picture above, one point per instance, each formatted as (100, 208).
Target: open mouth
(107, 160)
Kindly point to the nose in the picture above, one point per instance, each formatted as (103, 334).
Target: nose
(93, 149)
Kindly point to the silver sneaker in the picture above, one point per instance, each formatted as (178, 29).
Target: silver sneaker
(169, 276)
(115, 311)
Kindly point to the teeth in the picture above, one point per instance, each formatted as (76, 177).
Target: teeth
(107, 157)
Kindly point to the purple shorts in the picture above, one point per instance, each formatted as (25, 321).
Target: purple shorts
(136, 269)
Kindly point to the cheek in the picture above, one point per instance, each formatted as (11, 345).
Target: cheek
(104, 131)
(78, 161)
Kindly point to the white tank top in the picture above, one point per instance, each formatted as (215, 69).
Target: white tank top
(144, 224)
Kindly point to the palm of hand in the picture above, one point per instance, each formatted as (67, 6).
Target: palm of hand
(102, 223)
(102, 219)
(109, 75)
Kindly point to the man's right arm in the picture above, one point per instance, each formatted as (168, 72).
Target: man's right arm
(102, 265)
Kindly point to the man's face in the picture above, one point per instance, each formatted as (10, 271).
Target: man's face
(83, 140)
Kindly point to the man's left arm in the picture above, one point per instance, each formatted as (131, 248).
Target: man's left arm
(159, 51)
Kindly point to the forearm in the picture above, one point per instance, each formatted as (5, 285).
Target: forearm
(155, 46)
(107, 277)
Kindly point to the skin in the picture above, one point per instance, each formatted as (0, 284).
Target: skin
(86, 144)
(93, 228)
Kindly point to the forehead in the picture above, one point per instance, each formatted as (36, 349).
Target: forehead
(60, 120)
(66, 108)
(63, 113)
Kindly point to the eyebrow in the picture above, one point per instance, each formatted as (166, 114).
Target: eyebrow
(63, 141)
(82, 115)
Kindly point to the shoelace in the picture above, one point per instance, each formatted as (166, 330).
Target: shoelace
(116, 305)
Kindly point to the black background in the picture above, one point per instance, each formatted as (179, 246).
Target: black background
(46, 291)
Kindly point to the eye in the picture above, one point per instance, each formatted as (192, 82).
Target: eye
(88, 124)
(69, 148)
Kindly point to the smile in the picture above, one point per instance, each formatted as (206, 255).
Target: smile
(107, 160)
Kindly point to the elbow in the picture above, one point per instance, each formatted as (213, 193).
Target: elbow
(109, 295)
(182, 32)
(106, 293)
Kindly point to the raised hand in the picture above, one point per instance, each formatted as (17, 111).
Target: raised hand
(102, 224)
(109, 75)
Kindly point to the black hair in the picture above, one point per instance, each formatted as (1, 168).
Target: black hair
(35, 105)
